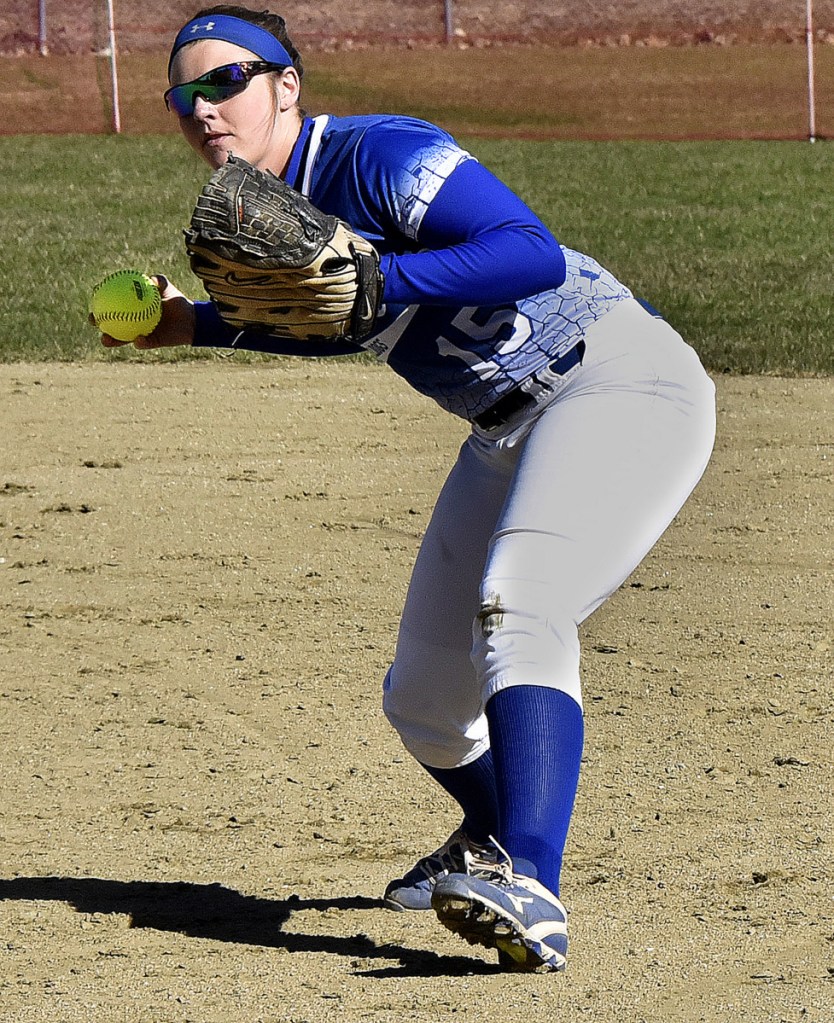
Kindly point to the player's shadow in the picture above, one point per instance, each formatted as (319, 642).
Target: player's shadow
(222, 914)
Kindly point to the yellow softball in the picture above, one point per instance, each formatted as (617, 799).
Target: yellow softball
(126, 304)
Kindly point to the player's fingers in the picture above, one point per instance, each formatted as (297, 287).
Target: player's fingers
(112, 342)
(166, 289)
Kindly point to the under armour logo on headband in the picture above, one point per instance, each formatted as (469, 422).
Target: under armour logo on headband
(231, 30)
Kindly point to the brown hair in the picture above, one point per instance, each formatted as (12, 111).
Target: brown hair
(273, 23)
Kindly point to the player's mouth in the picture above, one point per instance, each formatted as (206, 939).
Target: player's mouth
(215, 140)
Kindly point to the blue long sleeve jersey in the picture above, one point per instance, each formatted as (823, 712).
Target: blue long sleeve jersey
(478, 293)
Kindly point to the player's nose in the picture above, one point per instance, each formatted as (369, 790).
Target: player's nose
(202, 107)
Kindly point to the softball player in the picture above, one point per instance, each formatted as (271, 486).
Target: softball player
(591, 420)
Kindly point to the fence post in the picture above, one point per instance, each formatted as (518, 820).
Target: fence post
(42, 47)
(114, 77)
(809, 43)
(448, 21)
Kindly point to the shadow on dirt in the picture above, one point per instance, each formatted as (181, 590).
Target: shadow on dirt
(222, 914)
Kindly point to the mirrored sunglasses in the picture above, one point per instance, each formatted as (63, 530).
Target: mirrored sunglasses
(217, 85)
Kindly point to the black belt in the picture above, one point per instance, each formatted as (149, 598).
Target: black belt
(505, 408)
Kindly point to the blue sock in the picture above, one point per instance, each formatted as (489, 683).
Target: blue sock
(473, 787)
(536, 735)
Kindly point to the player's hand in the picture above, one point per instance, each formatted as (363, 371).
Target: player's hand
(176, 327)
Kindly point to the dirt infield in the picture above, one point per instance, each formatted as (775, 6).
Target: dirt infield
(202, 569)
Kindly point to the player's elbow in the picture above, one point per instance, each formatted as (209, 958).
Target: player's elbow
(547, 266)
(557, 267)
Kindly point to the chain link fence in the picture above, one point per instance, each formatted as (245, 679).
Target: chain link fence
(80, 26)
(60, 73)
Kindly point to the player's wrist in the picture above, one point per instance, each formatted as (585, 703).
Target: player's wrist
(210, 331)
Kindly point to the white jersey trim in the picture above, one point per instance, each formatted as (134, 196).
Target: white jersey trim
(319, 124)
(381, 344)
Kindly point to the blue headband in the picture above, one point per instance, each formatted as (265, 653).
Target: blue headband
(231, 30)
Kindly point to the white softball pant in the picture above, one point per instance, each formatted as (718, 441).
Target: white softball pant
(532, 532)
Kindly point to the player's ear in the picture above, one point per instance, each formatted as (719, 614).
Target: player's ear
(288, 87)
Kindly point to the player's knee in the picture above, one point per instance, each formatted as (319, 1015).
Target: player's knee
(391, 703)
(513, 645)
(434, 728)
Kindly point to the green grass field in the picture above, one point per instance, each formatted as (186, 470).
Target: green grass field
(731, 240)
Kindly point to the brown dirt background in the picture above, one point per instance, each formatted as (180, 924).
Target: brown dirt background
(77, 26)
(655, 69)
(202, 569)
(747, 91)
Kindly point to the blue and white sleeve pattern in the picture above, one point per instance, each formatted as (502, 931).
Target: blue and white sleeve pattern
(478, 242)
(423, 175)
